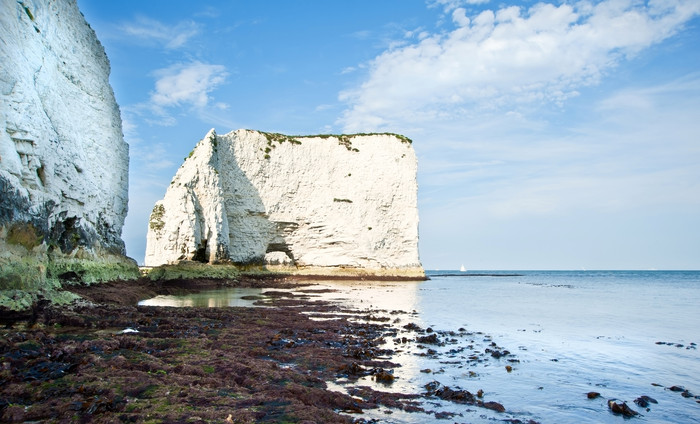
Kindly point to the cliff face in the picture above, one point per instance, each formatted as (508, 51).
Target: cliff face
(316, 205)
(63, 159)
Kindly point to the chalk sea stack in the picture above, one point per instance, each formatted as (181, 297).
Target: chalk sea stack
(63, 159)
(329, 205)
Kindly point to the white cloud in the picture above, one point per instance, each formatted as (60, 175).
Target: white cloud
(507, 57)
(183, 84)
(459, 16)
(171, 36)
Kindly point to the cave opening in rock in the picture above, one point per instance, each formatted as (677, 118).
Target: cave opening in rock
(201, 254)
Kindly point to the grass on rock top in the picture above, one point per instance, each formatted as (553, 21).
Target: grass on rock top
(343, 139)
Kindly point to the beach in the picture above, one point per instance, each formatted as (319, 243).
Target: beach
(482, 347)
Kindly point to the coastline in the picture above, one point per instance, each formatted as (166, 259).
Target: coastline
(197, 270)
(312, 350)
(197, 364)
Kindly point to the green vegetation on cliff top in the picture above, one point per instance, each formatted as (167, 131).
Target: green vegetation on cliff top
(342, 138)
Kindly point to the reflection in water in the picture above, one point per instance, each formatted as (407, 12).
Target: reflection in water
(375, 295)
(398, 301)
(231, 297)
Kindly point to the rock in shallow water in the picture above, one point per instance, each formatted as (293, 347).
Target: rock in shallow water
(383, 376)
(495, 406)
(620, 407)
(435, 388)
(644, 401)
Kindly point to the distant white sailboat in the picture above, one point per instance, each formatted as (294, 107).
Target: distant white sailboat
(462, 268)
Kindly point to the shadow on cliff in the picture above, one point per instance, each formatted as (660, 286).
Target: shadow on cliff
(252, 234)
(64, 232)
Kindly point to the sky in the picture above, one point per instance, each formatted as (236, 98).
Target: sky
(549, 135)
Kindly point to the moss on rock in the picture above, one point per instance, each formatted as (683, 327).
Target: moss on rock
(25, 273)
(16, 300)
(24, 234)
(29, 275)
(90, 269)
(187, 269)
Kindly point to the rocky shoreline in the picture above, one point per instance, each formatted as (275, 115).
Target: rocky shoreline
(298, 355)
(107, 360)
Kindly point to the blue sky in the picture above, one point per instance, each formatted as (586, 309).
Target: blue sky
(561, 135)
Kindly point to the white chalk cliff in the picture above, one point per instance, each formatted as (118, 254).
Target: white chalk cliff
(321, 205)
(63, 159)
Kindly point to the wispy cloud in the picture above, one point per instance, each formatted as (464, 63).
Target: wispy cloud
(170, 36)
(450, 5)
(362, 35)
(636, 149)
(507, 58)
(209, 12)
(187, 84)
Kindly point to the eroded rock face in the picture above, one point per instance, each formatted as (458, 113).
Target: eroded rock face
(316, 205)
(63, 159)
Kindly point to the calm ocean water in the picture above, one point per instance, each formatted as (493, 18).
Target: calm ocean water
(623, 334)
(576, 332)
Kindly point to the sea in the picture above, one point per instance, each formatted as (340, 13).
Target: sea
(536, 342)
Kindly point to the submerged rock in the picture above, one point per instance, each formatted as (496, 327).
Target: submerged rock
(63, 159)
(644, 401)
(323, 205)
